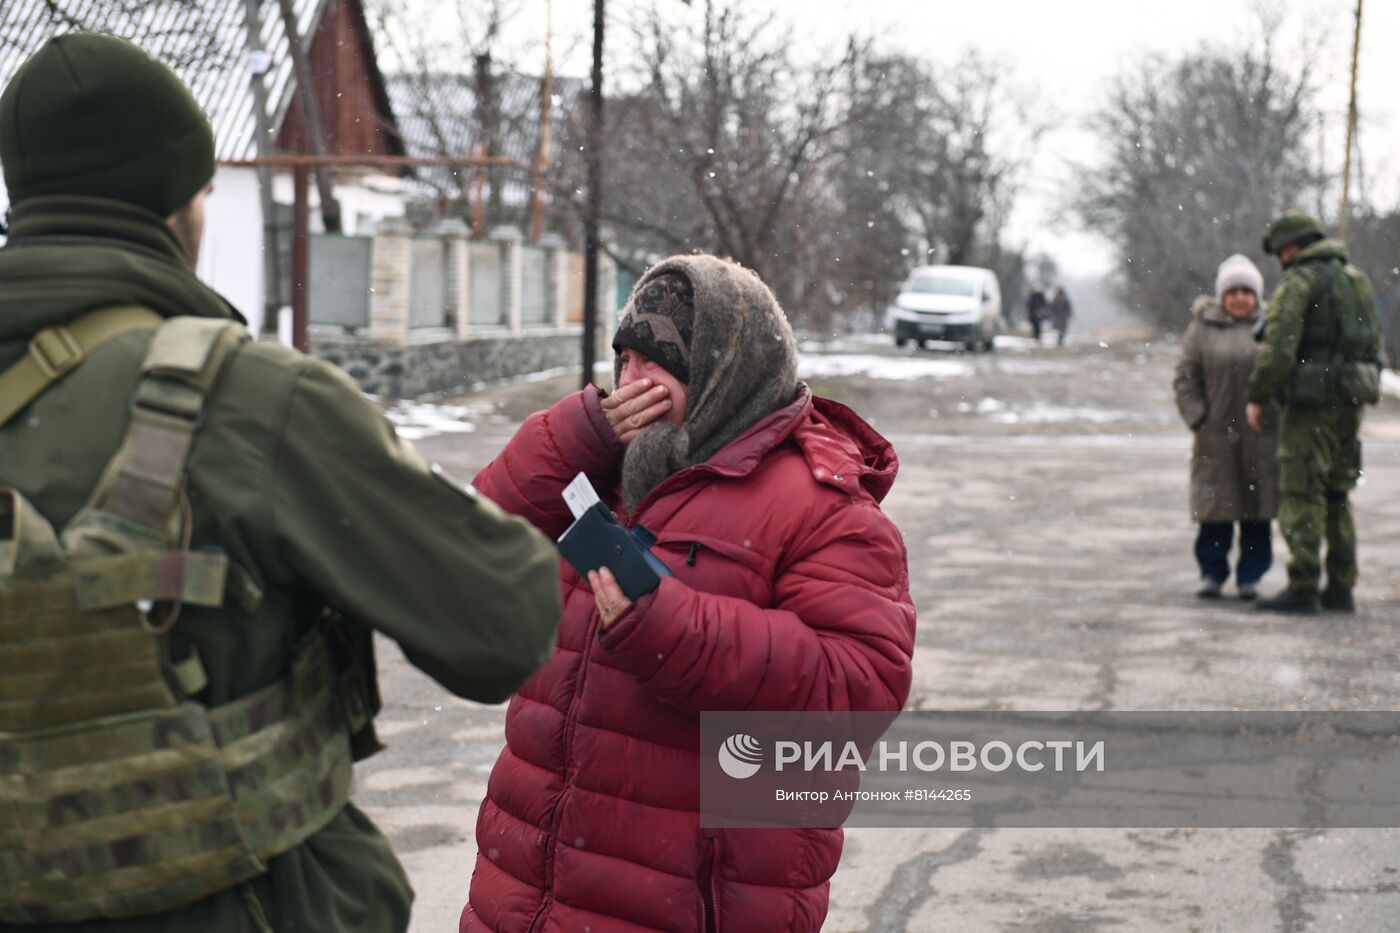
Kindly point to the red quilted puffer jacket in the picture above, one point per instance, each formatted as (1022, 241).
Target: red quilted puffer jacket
(790, 591)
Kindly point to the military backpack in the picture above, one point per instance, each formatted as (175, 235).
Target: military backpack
(120, 794)
(1338, 355)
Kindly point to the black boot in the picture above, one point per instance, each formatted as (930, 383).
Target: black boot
(1296, 602)
(1337, 600)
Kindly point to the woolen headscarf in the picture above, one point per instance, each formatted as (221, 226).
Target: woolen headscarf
(96, 116)
(659, 322)
(741, 364)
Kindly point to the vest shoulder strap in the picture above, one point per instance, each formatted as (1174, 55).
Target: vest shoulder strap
(56, 351)
(141, 485)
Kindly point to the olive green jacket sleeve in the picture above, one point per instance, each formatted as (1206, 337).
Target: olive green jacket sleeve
(1283, 330)
(470, 593)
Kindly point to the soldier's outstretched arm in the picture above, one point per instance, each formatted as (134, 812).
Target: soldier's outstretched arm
(1283, 329)
(469, 592)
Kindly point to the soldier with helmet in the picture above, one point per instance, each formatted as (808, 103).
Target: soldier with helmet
(199, 537)
(1319, 358)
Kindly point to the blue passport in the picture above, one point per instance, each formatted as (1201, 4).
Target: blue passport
(597, 539)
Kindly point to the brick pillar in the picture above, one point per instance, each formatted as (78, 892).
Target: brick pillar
(512, 272)
(390, 270)
(558, 277)
(457, 272)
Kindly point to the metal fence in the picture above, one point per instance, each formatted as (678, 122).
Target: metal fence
(427, 290)
(488, 306)
(340, 280)
(536, 286)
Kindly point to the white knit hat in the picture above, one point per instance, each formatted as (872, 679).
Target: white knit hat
(1238, 272)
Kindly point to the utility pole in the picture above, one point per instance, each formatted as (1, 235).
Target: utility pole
(542, 154)
(593, 206)
(1321, 163)
(1345, 212)
(258, 63)
(311, 114)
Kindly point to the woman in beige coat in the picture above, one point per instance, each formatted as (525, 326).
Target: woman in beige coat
(1234, 471)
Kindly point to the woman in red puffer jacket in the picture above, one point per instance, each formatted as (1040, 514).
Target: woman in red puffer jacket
(789, 592)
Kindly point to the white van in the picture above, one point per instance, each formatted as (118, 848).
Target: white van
(956, 303)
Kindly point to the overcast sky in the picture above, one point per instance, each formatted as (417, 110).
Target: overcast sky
(1065, 51)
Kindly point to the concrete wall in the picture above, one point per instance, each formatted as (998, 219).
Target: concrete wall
(393, 358)
(393, 370)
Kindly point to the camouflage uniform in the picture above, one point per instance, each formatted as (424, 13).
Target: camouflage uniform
(1319, 445)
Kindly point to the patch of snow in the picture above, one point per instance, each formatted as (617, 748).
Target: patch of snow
(881, 367)
(838, 342)
(1041, 413)
(986, 406)
(416, 420)
(1013, 342)
(1041, 367)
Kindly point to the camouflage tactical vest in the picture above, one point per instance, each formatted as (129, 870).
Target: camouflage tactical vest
(1339, 349)
(120, 795)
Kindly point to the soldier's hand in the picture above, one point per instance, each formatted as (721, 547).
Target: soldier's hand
(635, 406)
(612, 602)
(1254, 414)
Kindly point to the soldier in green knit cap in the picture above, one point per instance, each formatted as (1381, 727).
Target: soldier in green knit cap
(1319, 359)
(199, 536)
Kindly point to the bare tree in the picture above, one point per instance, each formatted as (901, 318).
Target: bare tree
(458, 93)
(714, 149)
(1203, 150)
(825, 178)
(1374, 241)
(942, 152)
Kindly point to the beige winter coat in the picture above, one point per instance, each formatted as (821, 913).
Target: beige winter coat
(1234, 471)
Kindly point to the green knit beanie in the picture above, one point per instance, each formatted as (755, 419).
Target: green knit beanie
(95, 115)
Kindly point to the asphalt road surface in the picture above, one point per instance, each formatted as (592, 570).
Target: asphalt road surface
(1042, 494)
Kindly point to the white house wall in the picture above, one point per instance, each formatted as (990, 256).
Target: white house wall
(231, 258)
(370, 199)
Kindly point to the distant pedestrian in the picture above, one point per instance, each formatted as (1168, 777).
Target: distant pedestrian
(1060, 313)
(1321, 343)
(1234, 471)
(1035, 311)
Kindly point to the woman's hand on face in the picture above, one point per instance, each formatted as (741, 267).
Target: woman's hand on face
(635, 407)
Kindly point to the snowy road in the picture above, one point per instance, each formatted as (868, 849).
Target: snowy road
(1042, 496)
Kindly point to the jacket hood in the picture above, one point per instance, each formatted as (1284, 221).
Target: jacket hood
(69, 255)
(1209, 311)
(1330, 248)
(840, 447)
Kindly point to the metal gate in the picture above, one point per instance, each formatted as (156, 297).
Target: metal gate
(535, 286)
(339, 272)
(488, 306)
(427, 289)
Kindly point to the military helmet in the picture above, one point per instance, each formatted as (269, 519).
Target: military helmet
(1290, 227)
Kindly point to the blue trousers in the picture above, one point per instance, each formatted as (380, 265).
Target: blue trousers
(1256, 550)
